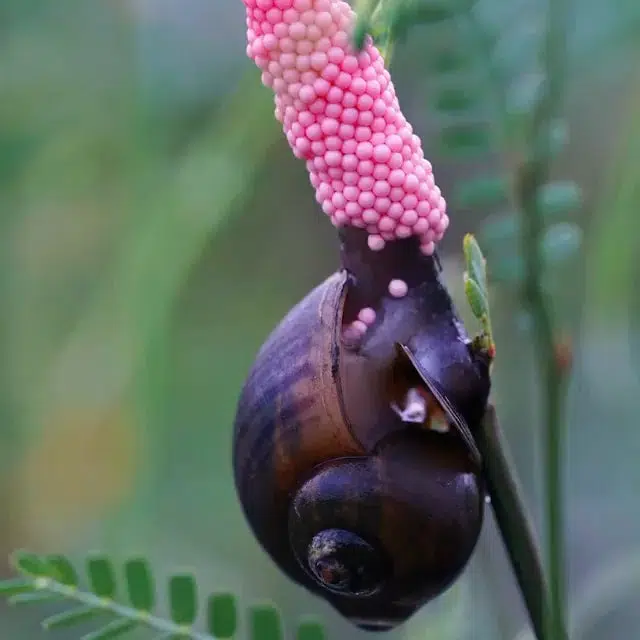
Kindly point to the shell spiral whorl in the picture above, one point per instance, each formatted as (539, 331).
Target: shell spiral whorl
(350, 501)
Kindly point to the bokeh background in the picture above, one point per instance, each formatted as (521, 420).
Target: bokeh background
(154, 227)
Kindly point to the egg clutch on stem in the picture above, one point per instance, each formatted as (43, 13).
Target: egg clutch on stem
(354, 455)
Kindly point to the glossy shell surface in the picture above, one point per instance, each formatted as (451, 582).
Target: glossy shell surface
(317, 446)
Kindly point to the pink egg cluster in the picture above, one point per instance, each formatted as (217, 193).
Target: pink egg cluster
(340, 113)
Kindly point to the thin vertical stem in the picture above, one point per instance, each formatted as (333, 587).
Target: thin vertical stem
(534, 173)
(514, 523)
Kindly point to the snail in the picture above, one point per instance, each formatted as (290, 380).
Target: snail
(353, 451)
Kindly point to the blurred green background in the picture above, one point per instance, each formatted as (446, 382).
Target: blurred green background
(154, 227)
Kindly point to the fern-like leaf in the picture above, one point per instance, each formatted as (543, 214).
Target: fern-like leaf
(53, 578)
(222, 615)
(102, 577)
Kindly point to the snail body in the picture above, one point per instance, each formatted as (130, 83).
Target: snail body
(373, 511)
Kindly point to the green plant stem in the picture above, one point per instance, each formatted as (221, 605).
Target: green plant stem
(533, 174)
(120, 611)
(513, 521)
(553, 377)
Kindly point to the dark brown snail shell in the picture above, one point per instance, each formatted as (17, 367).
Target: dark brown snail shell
(376, 515)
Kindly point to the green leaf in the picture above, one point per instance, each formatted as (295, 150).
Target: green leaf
(360, 32)
(559, 197)
(114, 629)
(16, 586)
(72, 617)
(476, 297)
(183, 599)
(385, 42)
(102, 577)
(264, 623)
(465, 139)
(140, 586)
(487, 191)
(30, 563)
(310, 631)
(560, 242)
(222, 615)
(35, 597)
(454, 100)
(364, 11)
(475, 262)
(62, 570)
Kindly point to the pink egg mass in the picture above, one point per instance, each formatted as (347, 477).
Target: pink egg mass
(340, 113)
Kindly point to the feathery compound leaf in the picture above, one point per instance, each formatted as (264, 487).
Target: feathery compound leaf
(30, 564)
(140, 586)
(72, 617)
(16, 586)
(222, 615)
(487, 191)
(310, 631)
(183, 599)
(53, 578)
(264, 622)
(102, 576)
(35, 597)
(114, 629)
(62, 570)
